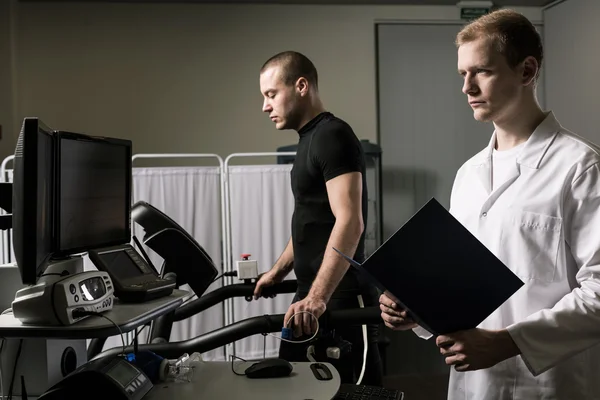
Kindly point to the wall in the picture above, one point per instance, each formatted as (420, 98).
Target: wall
(572, 65)
(7, 77)
(184, 77)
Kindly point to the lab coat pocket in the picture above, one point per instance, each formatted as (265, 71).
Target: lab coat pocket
(530, 243)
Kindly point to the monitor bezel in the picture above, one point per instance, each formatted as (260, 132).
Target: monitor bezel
(27, 210)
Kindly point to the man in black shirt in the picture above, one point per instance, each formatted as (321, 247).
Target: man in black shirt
(330, 193)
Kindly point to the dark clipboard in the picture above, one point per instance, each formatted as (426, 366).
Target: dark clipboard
(439, 272)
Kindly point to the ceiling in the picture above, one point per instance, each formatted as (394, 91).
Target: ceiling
(514, 3)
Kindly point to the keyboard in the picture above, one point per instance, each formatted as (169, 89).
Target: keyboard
(349, 391)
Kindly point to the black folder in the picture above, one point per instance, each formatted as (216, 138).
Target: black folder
(440, 273)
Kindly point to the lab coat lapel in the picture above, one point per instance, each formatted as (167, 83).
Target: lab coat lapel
(483, 166)
(530, 157)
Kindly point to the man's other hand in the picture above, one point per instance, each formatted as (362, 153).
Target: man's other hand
(303, 322)
(265, 280)
(393, 316)
(475, 349)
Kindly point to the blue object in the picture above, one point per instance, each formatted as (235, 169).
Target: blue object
(286, 333)
(130, 357)
(148, 362)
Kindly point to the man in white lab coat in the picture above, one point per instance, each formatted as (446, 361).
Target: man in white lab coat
(533, 198)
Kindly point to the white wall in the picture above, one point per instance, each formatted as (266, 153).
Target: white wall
(184, 77)
(572, 66)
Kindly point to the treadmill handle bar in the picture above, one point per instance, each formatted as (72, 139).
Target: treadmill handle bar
(248, 327)
(210, 299)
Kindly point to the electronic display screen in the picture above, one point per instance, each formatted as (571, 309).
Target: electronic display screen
(123, 373)
(94, 198)
(120, 265)
(92, 288)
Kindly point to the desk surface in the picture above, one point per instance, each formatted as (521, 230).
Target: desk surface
(215, 380)
(127, 316)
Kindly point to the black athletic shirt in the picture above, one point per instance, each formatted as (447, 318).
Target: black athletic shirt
(327, 148)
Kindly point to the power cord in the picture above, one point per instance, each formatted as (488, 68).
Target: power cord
(12, 382)
(1, 383)
(82, 313)
(365, 342)
(288, 332)
(233, 369)
(224, 274)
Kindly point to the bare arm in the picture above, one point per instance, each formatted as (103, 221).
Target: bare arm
(285, 262)
(345, 199)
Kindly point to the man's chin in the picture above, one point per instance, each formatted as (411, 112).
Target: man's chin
(481, 116)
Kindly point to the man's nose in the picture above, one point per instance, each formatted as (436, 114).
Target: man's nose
(469, 86)
(266, 106)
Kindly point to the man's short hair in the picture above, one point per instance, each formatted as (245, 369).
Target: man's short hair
(512, 33)
(293, 65)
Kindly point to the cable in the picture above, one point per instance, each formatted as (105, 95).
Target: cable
(12, 382)
(77, 314)
(137, 332)
(1, 383)
(299, 341)
(365, 341)
(144, 254)
(239, 358)
(310, 352)
(224, 274)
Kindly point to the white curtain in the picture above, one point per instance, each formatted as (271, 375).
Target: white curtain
(7, 254)
(261, 208)
(191, 197)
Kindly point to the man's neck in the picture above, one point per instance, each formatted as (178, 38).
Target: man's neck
(514, 131)
(315, 109)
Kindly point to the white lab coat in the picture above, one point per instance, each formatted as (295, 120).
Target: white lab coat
(544, 224)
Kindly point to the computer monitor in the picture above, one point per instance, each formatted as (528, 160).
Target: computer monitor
(71, 193)
(33, 195)
(93, 192)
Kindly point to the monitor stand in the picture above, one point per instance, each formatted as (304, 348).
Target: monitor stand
(34, 303)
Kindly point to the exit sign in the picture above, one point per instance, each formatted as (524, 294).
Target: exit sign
(470, 13)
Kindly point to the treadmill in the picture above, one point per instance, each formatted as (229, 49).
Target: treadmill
(177, 248)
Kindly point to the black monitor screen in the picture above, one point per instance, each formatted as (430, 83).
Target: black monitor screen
(32, 202)
(94, 199)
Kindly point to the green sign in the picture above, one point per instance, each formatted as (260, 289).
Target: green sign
(469, 13)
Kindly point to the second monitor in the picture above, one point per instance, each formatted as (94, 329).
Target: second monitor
(134, 279)
(93, 192)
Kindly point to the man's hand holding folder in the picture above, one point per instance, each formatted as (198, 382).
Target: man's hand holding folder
(466, 350)
(393, 316)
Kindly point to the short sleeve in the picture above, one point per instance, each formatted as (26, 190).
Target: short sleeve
(335, 150)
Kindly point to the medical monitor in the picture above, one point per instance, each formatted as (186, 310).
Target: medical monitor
(93, 189)
(33, 199)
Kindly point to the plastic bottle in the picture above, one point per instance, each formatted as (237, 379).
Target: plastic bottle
(180, 370)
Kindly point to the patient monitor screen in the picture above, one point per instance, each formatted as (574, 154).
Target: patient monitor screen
(93, 196)
(120, 265)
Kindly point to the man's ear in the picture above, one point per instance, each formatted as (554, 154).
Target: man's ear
(302, 86)
(529, 70)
